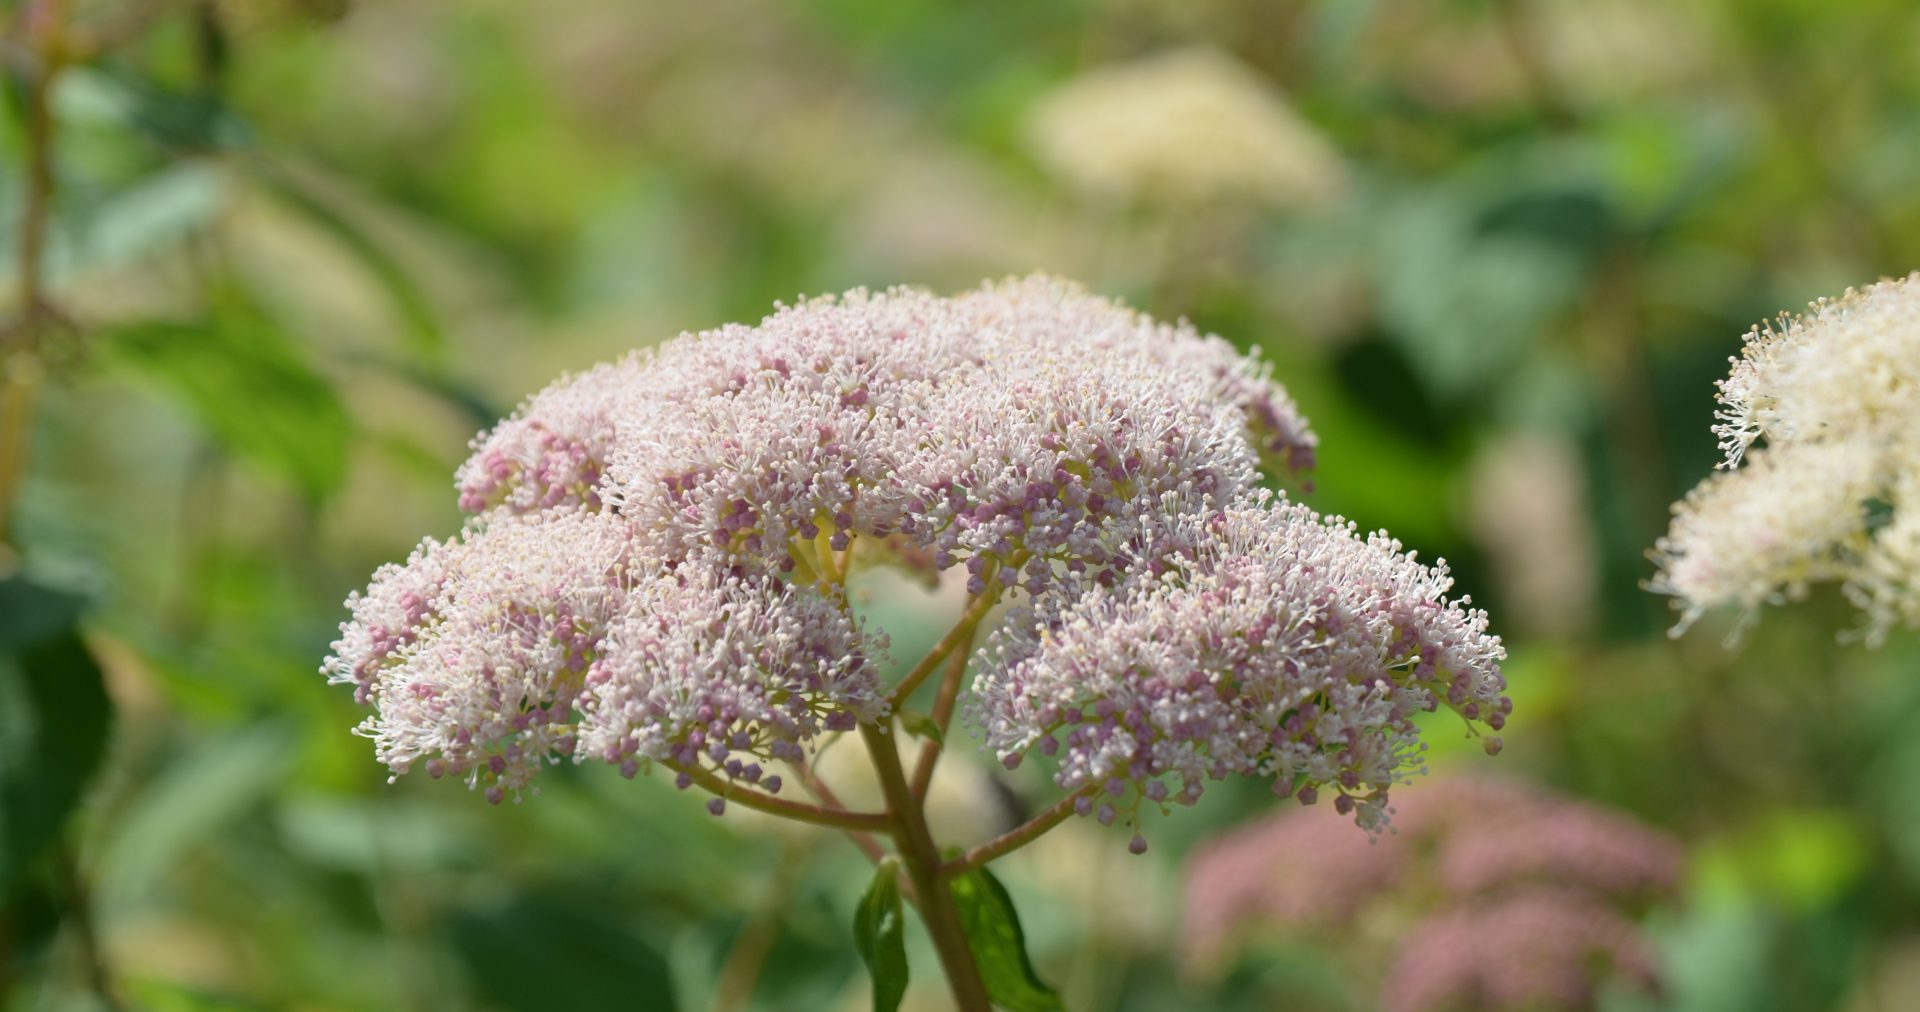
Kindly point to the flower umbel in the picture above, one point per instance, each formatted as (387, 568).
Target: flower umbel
(1264, 640)
(475, 652)
(656, 567)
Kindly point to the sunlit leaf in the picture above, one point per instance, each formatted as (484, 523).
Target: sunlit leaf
(999, 946)
(880, 934)
(242, 378)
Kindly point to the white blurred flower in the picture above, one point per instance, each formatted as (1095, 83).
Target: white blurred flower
(1528, 508)
(1183, 127)
(1817, 421)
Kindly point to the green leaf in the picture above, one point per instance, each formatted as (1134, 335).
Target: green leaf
(54, 717)
(118, 95)
(537, 952)
(243, 379)
(30, 613)
(920, 725)
(32, 910)
(999, 946)
(880, 933)
(150, 215)
(200, 794)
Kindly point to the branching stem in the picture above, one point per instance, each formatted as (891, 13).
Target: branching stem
(751, 797)
(819, 789)
(957, 638)
(922, 861)
(942, 716)
(1017, 837)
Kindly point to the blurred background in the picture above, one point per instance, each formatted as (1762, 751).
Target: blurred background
(268, 265)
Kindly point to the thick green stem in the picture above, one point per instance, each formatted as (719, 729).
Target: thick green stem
(922, 861)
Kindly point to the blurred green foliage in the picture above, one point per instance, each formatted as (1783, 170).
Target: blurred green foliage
(308, 249)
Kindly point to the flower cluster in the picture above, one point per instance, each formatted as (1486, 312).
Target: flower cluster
(708, 663)
(1817, 421)
(1511, 897)
(1260, 640)
(475, 652)
(656, 566)
(543, 636)
(1183, 127)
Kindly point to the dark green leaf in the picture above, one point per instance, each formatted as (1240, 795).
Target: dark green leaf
(533, 952)
(30, 914)
(879, 932)
(30, 613)
(999, 946)
(243, 379)
(54, 716)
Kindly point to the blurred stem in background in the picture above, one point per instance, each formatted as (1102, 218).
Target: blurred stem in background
(39, 46)
(741, 970)
(41, 43)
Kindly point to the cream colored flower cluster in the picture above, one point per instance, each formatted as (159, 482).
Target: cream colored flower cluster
(1822, 473)
(1184, 127)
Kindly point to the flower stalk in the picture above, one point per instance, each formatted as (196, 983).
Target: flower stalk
(957, 638)
(800, 811)
(922, 862)
(1017, 837)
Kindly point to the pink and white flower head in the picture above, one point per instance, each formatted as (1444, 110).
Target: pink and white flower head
(1492, 894)
(708, 664)
(474, 653)
(1264, 641)
(681, 521)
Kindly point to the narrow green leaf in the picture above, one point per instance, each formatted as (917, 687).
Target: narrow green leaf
(879, 930)
(148, 217)
(408, 299)
(54, 717)
(197, 797)
(244, 380)
(920, 725)
(999, 946)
